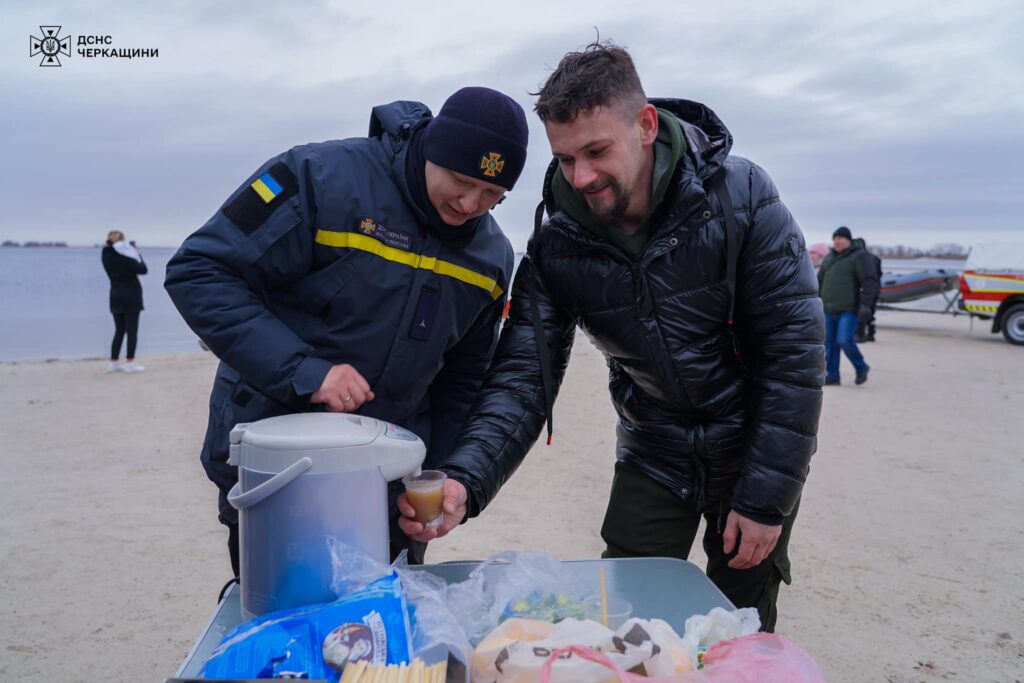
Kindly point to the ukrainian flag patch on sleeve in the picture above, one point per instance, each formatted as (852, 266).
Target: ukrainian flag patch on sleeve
(266, 187)
(256, 202)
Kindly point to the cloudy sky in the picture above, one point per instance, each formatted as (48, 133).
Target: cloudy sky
(903, 119)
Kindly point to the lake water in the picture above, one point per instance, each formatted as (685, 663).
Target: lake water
(53, 304)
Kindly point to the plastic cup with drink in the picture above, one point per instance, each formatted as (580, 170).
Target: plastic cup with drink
(425, 492)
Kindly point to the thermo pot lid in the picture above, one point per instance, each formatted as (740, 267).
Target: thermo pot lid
(334, 442)
(308, 431)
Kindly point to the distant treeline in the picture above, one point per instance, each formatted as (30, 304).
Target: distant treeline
(946, 250)
(9, 243)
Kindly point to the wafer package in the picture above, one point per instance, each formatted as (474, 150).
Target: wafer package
(414, 672)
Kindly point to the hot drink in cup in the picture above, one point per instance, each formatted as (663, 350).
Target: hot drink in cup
(425, 492)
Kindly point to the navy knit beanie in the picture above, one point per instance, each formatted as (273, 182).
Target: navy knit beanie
(843, 231)
(480, 133)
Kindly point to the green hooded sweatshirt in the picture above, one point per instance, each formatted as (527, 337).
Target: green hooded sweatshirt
(669, 148)
(839, 280)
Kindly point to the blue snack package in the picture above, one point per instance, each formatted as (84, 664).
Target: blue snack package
(317, 641)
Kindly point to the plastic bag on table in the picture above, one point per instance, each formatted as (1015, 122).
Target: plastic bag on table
(758, 658)
(701, 631)
(517, 649)
(435, 632)
(434, 628)
(529, 586)
(317, 641)
(675, 656)
(352, 569)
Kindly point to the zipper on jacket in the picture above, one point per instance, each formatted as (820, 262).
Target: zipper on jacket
(697, 446)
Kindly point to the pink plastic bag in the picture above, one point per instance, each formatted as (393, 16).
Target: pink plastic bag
(757, 658)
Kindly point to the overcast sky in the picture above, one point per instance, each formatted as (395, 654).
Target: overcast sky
(902, 119)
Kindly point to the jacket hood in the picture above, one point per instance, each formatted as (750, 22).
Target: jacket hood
(708, 143)
(398, 119)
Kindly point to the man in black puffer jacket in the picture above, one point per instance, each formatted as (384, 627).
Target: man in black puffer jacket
(686, 270)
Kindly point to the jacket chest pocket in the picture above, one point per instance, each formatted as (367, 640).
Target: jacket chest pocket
(584, 289)
(315, 292)
(699, 261)
(444, 311)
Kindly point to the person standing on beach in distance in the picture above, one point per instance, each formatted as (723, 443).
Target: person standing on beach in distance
(866, 328)
(363, 276)
(848, 284)
(124, 265)
(818, 252)
(688, 273)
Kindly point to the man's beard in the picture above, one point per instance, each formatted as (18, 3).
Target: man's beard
(610, 215)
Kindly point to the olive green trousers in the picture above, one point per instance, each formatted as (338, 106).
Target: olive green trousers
(645, 519)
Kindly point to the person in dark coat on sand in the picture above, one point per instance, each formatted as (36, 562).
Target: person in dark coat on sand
(124, 265)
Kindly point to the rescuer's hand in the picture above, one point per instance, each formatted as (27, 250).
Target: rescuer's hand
(343, 390)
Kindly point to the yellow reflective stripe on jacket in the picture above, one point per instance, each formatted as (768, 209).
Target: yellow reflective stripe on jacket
(352, 240)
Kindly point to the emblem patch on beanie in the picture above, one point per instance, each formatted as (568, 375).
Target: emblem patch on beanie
(492, 164)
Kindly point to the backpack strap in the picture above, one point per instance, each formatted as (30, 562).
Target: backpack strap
(732, 250)
(543, 351)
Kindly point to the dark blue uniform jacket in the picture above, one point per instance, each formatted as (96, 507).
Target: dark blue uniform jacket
(322, 258)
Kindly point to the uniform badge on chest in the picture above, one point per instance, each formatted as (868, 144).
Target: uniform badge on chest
(372, 228)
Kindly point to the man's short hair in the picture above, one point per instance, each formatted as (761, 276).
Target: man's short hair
(600, 75)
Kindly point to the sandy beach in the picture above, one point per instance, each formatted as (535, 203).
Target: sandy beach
(908, 556)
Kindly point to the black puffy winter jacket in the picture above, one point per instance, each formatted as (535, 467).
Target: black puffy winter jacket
(693, 415)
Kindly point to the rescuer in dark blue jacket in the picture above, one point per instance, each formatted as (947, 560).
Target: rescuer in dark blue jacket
(362, 275)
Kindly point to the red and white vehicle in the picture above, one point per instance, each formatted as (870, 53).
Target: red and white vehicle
(992, 287)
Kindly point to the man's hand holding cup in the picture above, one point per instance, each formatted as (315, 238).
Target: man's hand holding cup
(431, 506)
